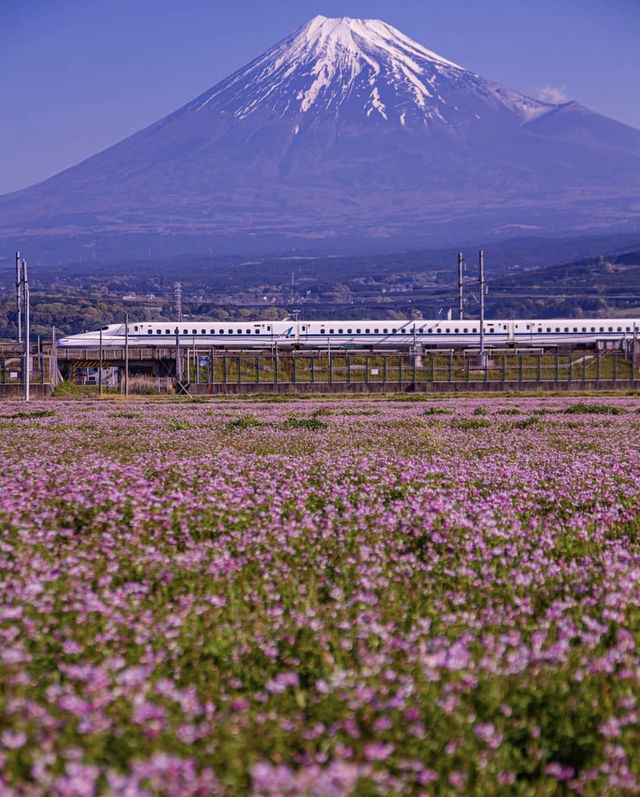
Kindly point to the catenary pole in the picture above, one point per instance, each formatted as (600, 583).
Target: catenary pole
(460, 299)
(100, 367)
(19, 294)
(27, 333)
(482, 290)
(126, 354)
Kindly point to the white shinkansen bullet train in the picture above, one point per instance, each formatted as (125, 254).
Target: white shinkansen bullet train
(290, 334)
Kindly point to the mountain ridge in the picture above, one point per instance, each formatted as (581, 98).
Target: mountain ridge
(346, 129)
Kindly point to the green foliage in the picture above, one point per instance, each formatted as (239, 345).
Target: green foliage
(68, 389)
(314, 424)
(594, 409)
(244, 422)
(437, 411)
(467, 424)
(32, 414)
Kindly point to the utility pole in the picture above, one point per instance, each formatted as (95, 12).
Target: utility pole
(19, 294)
(126, 354)
(53, 360)
(178, 357)
(27, 332)
(100, 366)
(460, 299)
(23, 305)
(482, 292)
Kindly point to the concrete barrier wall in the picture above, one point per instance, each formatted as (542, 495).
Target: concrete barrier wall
(289, 388)
(16, 391)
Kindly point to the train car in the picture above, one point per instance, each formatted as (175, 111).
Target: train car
(363, 334)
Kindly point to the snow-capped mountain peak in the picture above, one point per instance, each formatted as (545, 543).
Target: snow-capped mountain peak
(356, 68)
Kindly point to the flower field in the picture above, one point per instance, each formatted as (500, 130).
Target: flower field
(320, 597)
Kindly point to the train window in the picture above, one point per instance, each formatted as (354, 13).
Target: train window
(150, 332)
(385, 330)
(557, 329)
(395, 330)
(429, 331)
(610, 329)
(203, 331)
(248, 332)
(304, 328)
(566, 329)
(194, 331)
(628, 329)
(136, 329)
(593, 329)
(268, 329)
(438, 330)
(619, 329)
(447, 329)
(230, 331)
(257, 331)
(348, 332)
(167, 332)
(158, 332)
(339, 332)
(465, 329)
(322, 332)
(238, 331)
(367, 331)
(185, 331)
(575, 329)
(331, 332)
(376, 331)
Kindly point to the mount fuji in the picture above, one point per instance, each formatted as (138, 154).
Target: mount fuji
(347, 132)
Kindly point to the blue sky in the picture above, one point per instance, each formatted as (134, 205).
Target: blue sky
(79, 75)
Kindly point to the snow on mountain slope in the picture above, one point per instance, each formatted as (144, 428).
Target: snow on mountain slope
(329, 64)
(345, 130)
